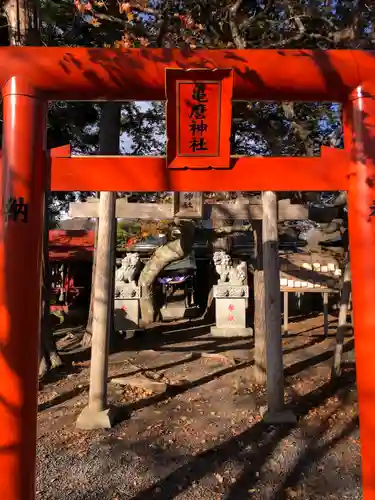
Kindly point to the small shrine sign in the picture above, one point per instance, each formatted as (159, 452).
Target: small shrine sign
(199, 116)
(188, 205)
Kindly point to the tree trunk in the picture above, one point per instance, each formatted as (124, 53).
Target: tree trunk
(86, 340)
(23, 21)
(341, 327)
(260, 360)
(164, 255)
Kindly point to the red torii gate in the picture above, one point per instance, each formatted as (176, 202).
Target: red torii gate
(31, 76)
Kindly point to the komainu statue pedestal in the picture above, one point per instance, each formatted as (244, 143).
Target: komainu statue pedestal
(127, 296)
(126, 310)
(231, 298)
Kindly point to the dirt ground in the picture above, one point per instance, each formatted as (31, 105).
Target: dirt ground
(191, 427)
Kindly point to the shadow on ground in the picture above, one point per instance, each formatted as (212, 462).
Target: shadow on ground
(255, 446)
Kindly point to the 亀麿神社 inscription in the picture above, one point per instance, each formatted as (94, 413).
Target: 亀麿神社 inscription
(199, 118)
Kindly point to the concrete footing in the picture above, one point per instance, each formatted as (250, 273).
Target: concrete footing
(90, 419)
(231, 333)
(130, 334)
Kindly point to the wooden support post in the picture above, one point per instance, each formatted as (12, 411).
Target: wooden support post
(276, 413)
(97, 415)
(343, 319)
(286, 312)
(325, 313)
(260, 357)
(102, 307)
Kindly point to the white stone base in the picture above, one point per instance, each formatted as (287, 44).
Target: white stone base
(231, 332)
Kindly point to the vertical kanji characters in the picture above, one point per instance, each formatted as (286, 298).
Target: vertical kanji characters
(198, 127)
(187, 203)
(16, 209)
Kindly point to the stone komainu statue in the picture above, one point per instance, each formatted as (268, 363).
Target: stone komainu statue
(228, 273)
(130, 267)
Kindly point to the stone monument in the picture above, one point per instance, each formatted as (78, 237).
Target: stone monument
(127, 295)
(231, 298)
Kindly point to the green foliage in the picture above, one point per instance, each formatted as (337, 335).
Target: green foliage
(74, 123)
(145, 127)
(132, 231)
(126, 231)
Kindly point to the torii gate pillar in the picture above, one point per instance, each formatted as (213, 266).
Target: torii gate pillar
(21, 229)
(359, 136)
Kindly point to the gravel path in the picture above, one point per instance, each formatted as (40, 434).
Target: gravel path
(203, 438)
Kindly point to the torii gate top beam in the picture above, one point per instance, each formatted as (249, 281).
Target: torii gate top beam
(139, 74)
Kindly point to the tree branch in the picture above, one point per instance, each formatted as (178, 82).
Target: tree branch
(146, 10)
(163, 26)
(132, 30)
(248, 22)
(316, 18)
(237, 38)
(113, 19)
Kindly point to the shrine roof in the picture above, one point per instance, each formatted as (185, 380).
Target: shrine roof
(74, 254)
(72, 238)
(72, 245)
